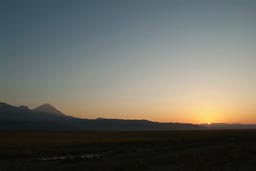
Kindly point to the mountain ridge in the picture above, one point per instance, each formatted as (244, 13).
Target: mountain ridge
(12, 117)
(48, 117)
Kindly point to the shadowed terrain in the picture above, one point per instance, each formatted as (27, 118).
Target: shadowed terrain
(140, 150)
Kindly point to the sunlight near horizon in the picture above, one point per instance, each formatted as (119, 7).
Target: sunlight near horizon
(209, 114)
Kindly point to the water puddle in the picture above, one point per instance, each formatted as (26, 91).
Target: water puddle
(71, 157)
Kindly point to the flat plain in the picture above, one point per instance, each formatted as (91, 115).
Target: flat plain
(128, 150)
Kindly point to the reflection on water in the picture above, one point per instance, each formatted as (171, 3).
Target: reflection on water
(71, 157)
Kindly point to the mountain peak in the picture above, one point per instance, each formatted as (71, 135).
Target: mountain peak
(24, 107)
(48, 108)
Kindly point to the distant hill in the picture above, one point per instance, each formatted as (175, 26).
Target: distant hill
(47, 117)
(229, 126)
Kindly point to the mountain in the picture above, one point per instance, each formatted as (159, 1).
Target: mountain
(47, 108)
(23, 113)
(47, 117)
(16, 118)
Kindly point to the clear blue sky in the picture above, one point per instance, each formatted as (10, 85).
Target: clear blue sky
(183, 60)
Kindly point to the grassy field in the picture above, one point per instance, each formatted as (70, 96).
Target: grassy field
(150, 150)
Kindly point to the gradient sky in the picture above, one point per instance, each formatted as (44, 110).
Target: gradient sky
(163, 60)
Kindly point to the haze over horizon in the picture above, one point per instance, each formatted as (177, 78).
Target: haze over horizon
(170, 61)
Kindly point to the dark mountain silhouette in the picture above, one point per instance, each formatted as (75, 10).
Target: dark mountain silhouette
(47, 108)
(23, 113)
(47, 117)
(22, 117)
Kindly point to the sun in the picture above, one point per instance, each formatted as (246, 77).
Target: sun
(209, 113)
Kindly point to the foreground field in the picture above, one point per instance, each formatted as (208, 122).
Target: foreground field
(105, 151)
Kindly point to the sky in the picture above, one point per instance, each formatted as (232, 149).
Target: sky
(162, 60)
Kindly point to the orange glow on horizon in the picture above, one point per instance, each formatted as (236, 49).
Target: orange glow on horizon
(205, 115)
(196, 113)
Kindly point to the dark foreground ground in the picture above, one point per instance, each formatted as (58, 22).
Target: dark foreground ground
(128, 151)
